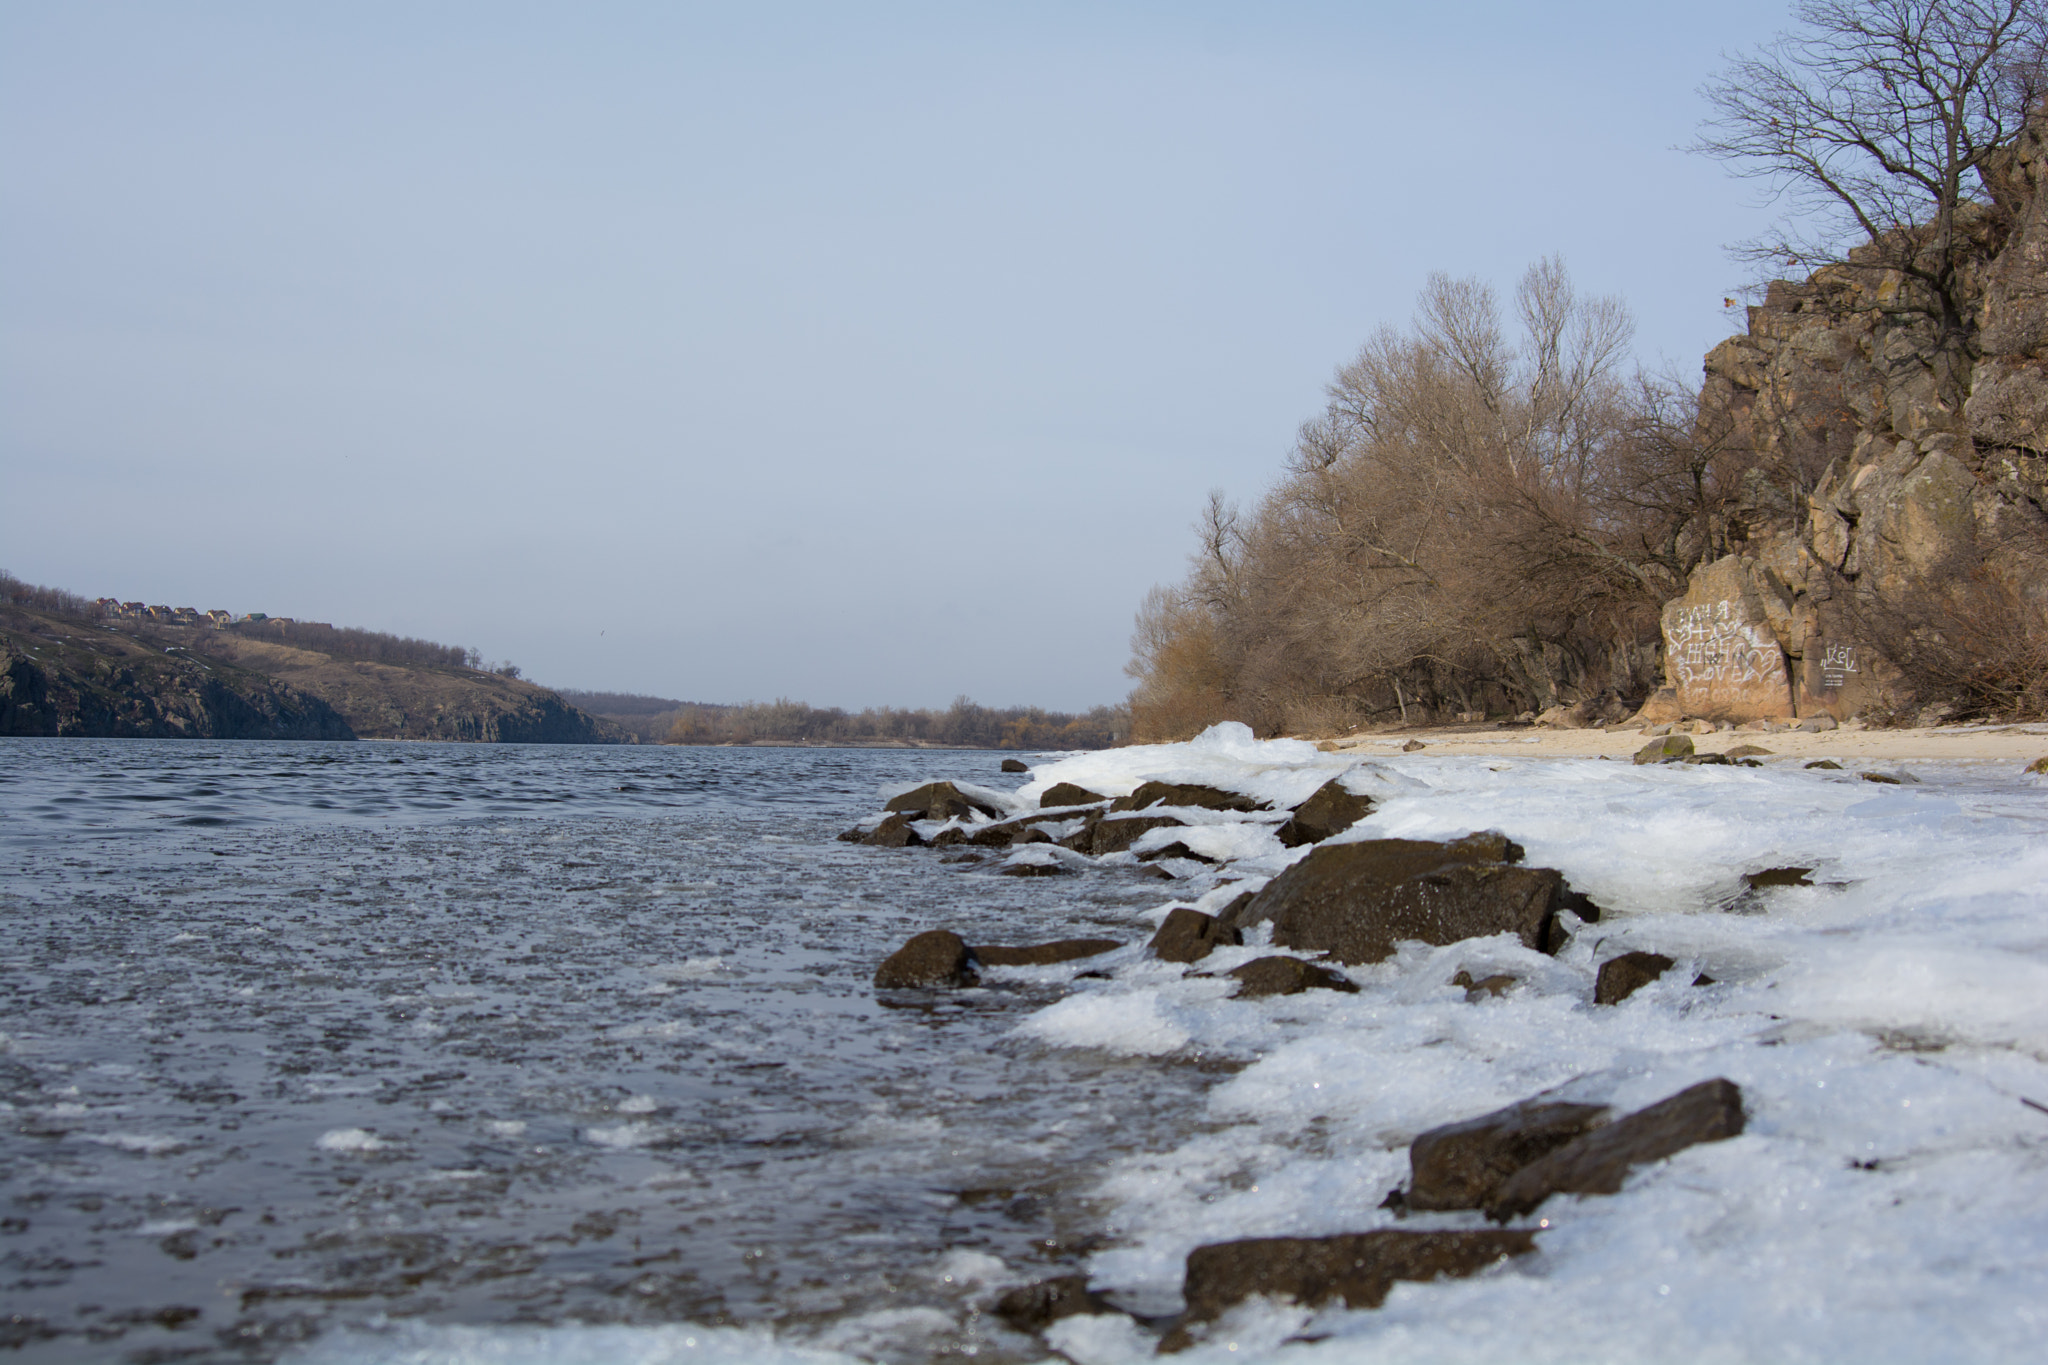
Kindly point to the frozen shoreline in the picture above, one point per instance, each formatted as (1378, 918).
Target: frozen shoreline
(2021, 744)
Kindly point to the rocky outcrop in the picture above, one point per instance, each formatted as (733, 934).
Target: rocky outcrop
(1357, 901)
(1332, 809)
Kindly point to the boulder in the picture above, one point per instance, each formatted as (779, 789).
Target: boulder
(1176, 849)
(1668, 749)
(1599, 1161)
(1115, 835)
(1413, 746)
(1331, 810)
(1825, 763)
(1185, 794)
(1043, 954)
(1485, 987)
(1285, 976)
(1035, 1307)
(1356, 1269)
(1356, 901)
(1004, 833)
(939, 801)
(1012, 765)
(893, 832)
(2039, 765)
(1463, 1165)
(1748, 751)
(1068, 794)
(1621, 977)
(935, 958)
(1778, 876)
(1189, 936)
(1721, 650)
(1034, 869)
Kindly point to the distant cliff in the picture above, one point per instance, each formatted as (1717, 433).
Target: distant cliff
(66, 674)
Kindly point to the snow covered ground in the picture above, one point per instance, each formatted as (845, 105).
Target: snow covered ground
(1888, 1027)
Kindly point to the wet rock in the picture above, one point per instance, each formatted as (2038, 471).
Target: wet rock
(1891, 779)
(1185, 794)
(1778, 876)
(1600, 1161)
(894, 832)
(1815, 725)
(1043, 954)
(1004, 833)
(1826, 763)
(1621, 977)
(1011, 765)
(1035, 1307)
(2039, 765)
(1355, 902)
(1668, 749)
(1722, 759)
(1331, 810)
(1069, 794)
(1484, 988)
(1357, 1269)
(1285, 976)
(1176, 849)
(1463, 1165)
(1189, 936)
(935, 958)
(939, 801)
(1117, 835)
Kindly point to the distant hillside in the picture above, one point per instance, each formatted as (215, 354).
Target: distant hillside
(69, 666)
(647, 719)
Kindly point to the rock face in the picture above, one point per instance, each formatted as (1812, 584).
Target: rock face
(1042, 954)
(1463, 1165)
(1331, 810)
(1285, 976)
(1598, 1162)
(1356, 901)
(1621, 977)
(935, 958)
(1356, 1269)
(1189, 936)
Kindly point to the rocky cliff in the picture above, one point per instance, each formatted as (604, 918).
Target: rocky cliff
(1894, 525)
(62, 677)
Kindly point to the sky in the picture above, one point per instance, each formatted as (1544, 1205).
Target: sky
(862, 354)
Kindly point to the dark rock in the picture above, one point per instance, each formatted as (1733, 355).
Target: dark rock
(1413, 746)
(1487, 986)
(1621, 977)
(1067, 794)
(1115, 835)
(1178, 794)
(1889, 779)
(1176, 849)
(1036, 1307)
(1357, 1269)
(1012, 765)
(1355, 902)
(1043, 954)
(940, 801)
(1330, 811)
(1827, 763)
(1579, 904)
(1719, 759)
(1666, 750)
(1463, 1165)
(1004, 833)
(1189, 936)
(894, 832)
(937, 957)
(1748, 751)
(2039, 767)
(1778, 876)
(1034, 870)
(1285, 976)
(1598, 1162)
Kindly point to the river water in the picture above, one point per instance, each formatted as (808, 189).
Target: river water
(300, 1037)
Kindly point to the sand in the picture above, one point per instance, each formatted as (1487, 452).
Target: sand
(2016, 744)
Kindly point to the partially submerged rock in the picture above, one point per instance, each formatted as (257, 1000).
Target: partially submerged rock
(1463, 1165)
(1042, 954)
(1356, 901)
(1035, 1307)
(1012, 765)
(1778, 876)
(893, 832)
(1331, 810)
(1187, 935)
(1115, 834)
(1185, 794)
(935, 958)
(939, 801)
(1285, 976)
(1599, 1161)
(1621, 977)
(1356, 1269)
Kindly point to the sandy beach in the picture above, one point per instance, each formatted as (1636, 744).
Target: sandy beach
(2018, 744)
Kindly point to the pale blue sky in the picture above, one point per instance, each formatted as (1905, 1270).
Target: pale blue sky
(862, 354)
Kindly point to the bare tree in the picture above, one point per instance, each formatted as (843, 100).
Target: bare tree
(1878, 121)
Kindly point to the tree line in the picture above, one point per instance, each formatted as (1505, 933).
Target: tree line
(964, 724)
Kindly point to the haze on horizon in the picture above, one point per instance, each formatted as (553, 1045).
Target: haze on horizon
(865, 356)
